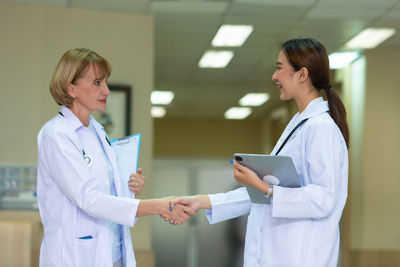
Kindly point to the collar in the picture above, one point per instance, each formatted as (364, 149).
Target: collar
(75, 123)
(314, 108)
(73, 120)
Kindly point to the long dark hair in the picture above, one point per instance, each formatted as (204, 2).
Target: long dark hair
(312, 55)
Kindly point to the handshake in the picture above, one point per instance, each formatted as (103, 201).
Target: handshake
(177, 210)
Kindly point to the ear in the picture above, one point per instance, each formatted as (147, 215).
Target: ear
(71, 90)
(303, 74)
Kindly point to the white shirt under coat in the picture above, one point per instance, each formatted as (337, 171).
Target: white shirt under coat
(301, 225)
(74, 197)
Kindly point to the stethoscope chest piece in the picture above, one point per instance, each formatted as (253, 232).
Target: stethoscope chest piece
(88, 160)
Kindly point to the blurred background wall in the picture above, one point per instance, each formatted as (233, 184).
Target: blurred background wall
(190, 155)
(33, 39)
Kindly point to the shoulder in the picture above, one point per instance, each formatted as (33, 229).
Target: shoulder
(321, 121)
(56, 126)
(322, 126)
(323, 129)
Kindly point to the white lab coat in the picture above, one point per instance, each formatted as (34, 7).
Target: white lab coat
(301, 225)
(74, 197)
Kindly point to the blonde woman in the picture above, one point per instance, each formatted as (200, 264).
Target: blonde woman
(84, 214)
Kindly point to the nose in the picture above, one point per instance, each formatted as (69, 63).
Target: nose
(274, 76)
(106, 90)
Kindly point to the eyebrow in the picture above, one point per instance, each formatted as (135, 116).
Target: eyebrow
(279, 63)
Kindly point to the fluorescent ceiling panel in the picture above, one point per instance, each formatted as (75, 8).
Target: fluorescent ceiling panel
(254, 99)
(232, 35)
(215, 59)
(162, 97)
(339, 60)
(370, 38)
(158, 112)
(237, 113)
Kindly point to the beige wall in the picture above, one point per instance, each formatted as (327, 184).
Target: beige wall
(33, 38)
(206, 138)
(381, 184)
(371, 94)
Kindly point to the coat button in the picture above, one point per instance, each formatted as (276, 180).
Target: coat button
(258, 261)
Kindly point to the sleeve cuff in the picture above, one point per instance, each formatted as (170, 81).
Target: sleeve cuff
(228, 205)
(132, 215)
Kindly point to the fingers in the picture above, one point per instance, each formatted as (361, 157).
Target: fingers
(181, 200)
(136, 182)
(238, 176)
(189, 210)
(238, 167)
(136, 187)
(178, 215)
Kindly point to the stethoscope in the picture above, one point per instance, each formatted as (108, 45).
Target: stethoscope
(86, 158)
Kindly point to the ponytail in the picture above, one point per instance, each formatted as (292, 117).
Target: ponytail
(312, 54)
(338, 113)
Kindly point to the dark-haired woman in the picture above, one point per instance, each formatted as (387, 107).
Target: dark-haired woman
(301, 225)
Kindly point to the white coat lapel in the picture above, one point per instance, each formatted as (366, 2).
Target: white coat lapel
(314, 108)
(109, 152)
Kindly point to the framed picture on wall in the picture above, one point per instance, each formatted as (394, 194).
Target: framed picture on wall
(116, 119)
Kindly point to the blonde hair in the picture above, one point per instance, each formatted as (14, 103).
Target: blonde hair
(72, 66)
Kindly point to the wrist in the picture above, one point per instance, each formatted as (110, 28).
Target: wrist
(204, 201)
(161, 205)
(269, 192)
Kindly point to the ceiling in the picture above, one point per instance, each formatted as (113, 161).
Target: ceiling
(184, 30)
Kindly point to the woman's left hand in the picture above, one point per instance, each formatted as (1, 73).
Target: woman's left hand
(245, 176)
(136, 182)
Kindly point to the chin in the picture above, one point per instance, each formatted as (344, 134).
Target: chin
(102, 107)
(283, 97)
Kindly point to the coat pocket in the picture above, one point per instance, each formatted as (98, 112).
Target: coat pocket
(86, 251)
(86, 239)
(86, 226)
(286, 241)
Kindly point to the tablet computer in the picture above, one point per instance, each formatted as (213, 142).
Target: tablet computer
(281, 167)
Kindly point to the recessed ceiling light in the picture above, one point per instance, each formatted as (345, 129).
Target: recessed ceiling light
(370, 38)
(162, 97)
(254, 99)
(158, 112)
(215, 59)
(237, 113)
(339, 60)
(232, 35)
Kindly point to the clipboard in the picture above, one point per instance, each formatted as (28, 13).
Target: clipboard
(127, 155)
(281, 167)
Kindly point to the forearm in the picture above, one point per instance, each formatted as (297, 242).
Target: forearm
(151, 207)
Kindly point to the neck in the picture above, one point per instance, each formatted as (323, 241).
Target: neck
(303, 100)
(82, 114)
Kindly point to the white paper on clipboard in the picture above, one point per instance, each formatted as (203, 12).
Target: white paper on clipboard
(127, 153)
